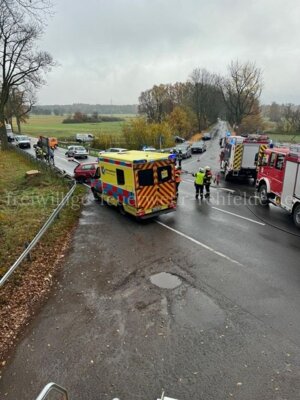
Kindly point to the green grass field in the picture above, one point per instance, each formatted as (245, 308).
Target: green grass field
(51, 125)
(284, 138)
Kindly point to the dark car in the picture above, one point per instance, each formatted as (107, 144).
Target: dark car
(83, 172)
(198, 147)
(206, 136)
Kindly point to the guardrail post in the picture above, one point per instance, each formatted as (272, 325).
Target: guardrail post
(28, 255)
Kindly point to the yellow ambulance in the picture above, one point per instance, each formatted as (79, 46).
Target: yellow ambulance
(140, 183)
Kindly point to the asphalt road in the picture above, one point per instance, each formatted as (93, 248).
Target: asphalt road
(225, 324)
(61, 160)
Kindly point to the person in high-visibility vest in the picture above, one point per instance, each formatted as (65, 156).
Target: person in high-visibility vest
(199, 182)
(177, 179)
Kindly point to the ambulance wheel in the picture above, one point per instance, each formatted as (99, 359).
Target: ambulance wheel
(296, 215)
(96, 197)
(121, 209)
(263, 195)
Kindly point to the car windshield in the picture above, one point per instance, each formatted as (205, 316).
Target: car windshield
(22, 138)
(80, 148)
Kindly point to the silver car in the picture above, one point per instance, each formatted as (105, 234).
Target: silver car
(77, 152)
(23, 142)
(185, 150)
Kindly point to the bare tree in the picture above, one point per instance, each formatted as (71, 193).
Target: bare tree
(291, 118)
(204, 96)
(21, 63)
(156, 103)
(241, 90)
(19, 105)
(36, 10)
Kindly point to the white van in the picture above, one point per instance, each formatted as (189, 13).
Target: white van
(84, 137)
(9, 132)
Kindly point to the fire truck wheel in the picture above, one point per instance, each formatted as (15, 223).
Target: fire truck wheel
(296, 215)
(263, 195)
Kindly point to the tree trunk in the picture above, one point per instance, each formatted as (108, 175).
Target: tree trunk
(3, 134)
(19, 125)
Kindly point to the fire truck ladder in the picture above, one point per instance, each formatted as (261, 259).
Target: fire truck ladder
(53, 387)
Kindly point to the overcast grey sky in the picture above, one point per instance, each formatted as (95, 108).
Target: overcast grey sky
(112, 50)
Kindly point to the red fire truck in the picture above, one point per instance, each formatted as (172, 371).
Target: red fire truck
(240, 154)
(278, 179)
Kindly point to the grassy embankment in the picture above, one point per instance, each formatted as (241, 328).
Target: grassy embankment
(25, 204)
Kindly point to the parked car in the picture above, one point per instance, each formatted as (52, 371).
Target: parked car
(83, 172)
(185, 150)
(149, 149)
(198, 147)
(84, 137)
(77, 152)
(206, 136)
(23, 141)
(112, 150)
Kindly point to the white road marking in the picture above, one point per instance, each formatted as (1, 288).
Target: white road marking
(218, 253)
(239, 216)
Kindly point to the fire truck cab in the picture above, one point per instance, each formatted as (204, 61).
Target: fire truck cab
(239, 155)
(278, 179)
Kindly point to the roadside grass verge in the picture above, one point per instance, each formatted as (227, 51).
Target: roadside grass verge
(25, 204)
(284, 138)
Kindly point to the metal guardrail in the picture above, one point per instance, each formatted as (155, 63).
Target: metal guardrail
(38, 236)
(52, 387)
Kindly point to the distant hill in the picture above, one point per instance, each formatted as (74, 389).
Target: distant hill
(84, 108)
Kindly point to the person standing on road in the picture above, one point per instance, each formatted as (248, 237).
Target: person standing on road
(207, 181)
(199, 181)
(222, 157)
(179, 158)
(51, 156)
(177, 179)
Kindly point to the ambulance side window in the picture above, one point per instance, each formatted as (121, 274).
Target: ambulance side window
(164, 173)
(120, 177)
(272, 159)
(146, 177)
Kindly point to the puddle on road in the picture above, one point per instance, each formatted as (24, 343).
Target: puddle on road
(164, 280)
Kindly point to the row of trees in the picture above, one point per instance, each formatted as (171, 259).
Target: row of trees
(79, 118)
(285, 116)
(187, 107)
(22, 64)
(90, 109)
(204, 97)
